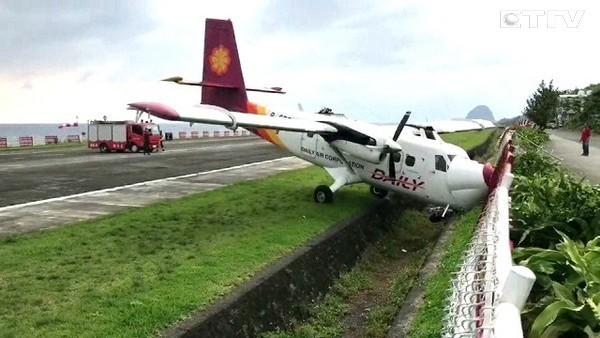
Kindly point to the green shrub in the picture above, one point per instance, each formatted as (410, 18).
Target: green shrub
(565, 301)
(542, 203)
(554, 213)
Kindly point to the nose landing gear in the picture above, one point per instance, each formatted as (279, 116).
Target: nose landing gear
(440, 214)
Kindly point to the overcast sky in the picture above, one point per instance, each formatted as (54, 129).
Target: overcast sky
(371, 60)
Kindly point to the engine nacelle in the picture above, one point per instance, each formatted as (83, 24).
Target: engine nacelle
(371, 154)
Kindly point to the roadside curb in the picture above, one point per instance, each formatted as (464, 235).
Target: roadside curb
(281, 292)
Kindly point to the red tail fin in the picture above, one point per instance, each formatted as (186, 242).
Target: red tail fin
(222, 80)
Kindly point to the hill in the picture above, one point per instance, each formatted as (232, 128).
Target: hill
(481, 112)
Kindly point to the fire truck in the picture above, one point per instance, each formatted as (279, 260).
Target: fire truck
(120, 136)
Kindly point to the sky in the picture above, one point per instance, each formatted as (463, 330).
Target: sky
(371, 60)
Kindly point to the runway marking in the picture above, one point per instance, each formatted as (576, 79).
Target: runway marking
(87, 193)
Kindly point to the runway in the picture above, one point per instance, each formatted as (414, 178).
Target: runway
(28, 176)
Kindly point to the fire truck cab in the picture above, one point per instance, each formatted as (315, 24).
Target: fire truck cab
(120, 136)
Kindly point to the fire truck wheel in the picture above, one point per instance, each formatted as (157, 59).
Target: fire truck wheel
(134, 149)
(103, 148)
(323, 194)
(381, 193)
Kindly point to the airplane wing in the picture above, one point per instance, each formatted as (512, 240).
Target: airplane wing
(217, 115)
(455, 125)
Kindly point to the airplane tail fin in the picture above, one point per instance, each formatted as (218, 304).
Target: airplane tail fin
(222, 77)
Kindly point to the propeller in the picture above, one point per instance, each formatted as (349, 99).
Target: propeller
(392, 168)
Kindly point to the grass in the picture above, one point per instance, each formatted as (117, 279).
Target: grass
(429, 320)
(468, 139)
(45, 147)
(382, 279)
(133, 274)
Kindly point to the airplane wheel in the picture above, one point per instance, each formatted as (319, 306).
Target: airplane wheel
(381, 193)
(323, 194)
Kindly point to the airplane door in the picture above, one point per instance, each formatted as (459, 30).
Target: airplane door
(397, 158)
(309, 144)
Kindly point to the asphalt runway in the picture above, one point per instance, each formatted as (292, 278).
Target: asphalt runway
(28, 176)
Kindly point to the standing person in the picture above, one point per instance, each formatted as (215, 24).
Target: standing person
(147, 142)
(586, 134)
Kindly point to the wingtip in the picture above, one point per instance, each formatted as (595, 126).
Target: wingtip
(175, 79)
(156, 109)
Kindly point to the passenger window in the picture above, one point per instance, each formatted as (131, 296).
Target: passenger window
(440, 163)
(410, 161)
(397, 157)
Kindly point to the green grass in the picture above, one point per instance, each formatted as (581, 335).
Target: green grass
(133, 274)
(45, 147)
(398, 256)
(429, 320)
(468, 139)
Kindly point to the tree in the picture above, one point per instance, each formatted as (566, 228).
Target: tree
(591, 109)
(542, 105)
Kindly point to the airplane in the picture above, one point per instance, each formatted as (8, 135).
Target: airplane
(409, 160)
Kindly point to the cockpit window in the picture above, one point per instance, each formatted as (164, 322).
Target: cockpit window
(410, 161)
(429, 133)
(451, 157)
(440, 163)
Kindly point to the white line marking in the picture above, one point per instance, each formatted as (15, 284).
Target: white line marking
(87, 193)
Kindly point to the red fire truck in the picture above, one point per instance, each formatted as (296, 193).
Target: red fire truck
(119, 136)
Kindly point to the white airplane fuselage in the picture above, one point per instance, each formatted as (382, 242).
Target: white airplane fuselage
(421, 180)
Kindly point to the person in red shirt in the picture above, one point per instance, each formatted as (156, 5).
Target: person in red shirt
(586, 134)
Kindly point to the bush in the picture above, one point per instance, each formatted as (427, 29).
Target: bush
(566, 297)
(554, 213)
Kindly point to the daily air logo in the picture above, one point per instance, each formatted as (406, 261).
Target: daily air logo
(402, 181)
(219, 60)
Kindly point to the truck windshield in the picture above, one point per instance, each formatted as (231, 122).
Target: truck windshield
(155, 130)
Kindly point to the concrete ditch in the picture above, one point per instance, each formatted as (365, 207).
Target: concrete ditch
(282, 292)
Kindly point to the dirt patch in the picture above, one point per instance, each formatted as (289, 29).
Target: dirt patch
(362, 304)
(393, 265)
(415, 298)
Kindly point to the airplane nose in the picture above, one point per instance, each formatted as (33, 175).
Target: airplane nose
(156, 109)
(488, 175)
(468, 181)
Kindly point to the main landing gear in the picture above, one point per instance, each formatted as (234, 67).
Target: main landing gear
(378, 192)
(323, 194)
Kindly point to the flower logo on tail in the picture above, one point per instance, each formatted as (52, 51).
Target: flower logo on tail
(219, 60)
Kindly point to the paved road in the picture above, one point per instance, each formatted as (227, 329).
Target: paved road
(52, 213)
(565, 145)
(37, 175)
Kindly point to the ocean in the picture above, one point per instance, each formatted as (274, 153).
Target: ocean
(12, 132)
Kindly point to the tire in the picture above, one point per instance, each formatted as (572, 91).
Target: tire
(378, 192)
(133, 148)
(323, 194)
(103, 148)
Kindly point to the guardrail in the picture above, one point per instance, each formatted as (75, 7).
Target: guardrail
(489, 292)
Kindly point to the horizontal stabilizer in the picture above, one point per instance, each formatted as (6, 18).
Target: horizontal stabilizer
(179, 80)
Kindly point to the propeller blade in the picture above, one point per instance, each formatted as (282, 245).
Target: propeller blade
(401, 126)
(392, 167)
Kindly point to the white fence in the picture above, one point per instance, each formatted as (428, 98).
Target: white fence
(488, 292)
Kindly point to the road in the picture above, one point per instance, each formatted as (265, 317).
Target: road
(36, 175)
(565, 145)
